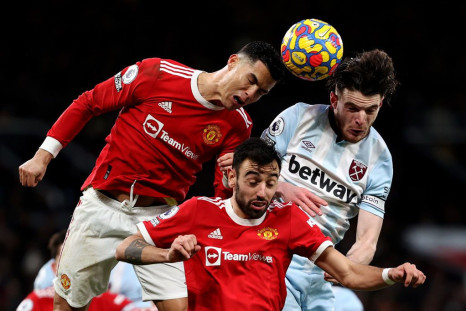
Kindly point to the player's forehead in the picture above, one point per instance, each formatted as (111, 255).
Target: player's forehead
(355, 97)
(251, 168)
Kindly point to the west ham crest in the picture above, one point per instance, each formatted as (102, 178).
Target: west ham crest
(357, 170)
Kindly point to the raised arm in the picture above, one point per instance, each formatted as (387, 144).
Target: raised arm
(364, 277)
(134, 249)
(367, 234)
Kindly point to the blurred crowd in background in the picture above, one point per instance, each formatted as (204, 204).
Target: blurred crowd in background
(55, 50)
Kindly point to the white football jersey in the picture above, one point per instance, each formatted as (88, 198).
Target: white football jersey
(349, 176)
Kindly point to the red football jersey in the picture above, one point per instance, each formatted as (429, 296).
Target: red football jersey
(242, 263)
(165, 130)
(42, 300)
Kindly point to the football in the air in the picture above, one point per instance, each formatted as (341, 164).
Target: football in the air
(312, 49)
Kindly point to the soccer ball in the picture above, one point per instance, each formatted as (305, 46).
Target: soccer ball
(312, 49)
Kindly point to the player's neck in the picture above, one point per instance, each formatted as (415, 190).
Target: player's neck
(208, 84)
(334, 125)
(237, 210)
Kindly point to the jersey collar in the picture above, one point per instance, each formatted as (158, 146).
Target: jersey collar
(239, 220)
(197, 94)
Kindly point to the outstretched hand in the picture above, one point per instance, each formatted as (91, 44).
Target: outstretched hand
(302, 197)
(183, 248)
(408, 274)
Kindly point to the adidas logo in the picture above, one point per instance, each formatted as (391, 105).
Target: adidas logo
(167, 106)
(216, 234)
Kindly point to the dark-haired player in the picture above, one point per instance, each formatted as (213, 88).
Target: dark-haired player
(237, 250)
(334, 152)
(172, 119)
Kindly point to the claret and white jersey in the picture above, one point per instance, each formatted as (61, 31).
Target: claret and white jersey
(242, 263)
(349, 176)
(165, 130)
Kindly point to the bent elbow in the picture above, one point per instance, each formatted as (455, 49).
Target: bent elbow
(119, 253)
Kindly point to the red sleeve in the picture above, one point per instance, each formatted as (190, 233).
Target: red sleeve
(110, 95)
(163, 229)
(33, 303)
(242, 120)
(305, 235)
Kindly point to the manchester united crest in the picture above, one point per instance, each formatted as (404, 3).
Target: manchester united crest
(65, 281)
(357, 170)
(268, 233)
(211, 134)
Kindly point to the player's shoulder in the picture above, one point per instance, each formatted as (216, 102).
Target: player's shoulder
(169, 66)
(166, 61)
(280, 207)
(377, 143)
(210, 201)
(301, 112)
(309, 108)
(241, 117)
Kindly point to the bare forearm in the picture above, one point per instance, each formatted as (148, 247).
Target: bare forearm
(362, 252)
(137, 251)
(363, 277)
(367, 235)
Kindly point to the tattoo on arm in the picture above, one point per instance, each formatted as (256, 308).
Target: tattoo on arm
(133, 253)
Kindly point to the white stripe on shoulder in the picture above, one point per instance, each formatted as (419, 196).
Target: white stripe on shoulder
(245, 117)
(216, 201)
(168, 65)
(176, 70)
(175, 73)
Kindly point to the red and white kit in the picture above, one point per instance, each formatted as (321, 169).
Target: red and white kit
(164, 132)
(242, 263)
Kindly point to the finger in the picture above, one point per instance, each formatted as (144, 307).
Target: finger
(190, 243)
(32, 180)
(421, 279)
(180, 252)
(316, 199)
(316, 209)
(408, 279)
(183, 249)
(306, 208)
(20, 175)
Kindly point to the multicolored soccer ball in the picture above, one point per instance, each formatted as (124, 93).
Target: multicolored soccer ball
(312, 49)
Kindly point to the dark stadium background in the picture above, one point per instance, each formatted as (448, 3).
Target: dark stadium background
(53, 51)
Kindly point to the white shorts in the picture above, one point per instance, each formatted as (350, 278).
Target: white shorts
(98, 226)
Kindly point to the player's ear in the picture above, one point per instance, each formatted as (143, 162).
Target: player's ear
(333, 99)
(231, 178)
(232, 60)
(381, 102)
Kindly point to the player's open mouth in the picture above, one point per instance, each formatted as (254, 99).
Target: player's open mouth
(259, 205)
(238, 100)
(356, 132)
